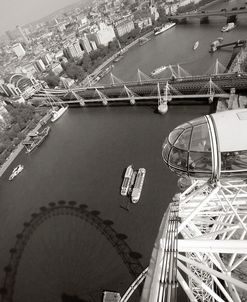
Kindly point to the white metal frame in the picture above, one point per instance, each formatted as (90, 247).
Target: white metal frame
(211, 248)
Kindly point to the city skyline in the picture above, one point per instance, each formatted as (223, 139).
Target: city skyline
(15, 12)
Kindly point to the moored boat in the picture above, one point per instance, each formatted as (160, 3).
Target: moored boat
(228, 27)
(58, 113)
(132, 181)
(16, 171)
(35, 141)
(196, 45)
(158, 70)
(126, 180)
(136, 192)
(163, 28)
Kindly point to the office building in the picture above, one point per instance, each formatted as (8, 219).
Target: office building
(23, 35)
(47, 59)
(85, 44)
(124, 26)
(73, 50)
(103, 35)
(18, 50)
(39, 65)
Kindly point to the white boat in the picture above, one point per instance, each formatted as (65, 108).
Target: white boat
(196, 45)
(132, 181)
(58, 113)
(158, 70)
(228, 27)
(126, 180)
(35, 141)
(163, 28)
(16, 171)
(136, 192)
(143, 41)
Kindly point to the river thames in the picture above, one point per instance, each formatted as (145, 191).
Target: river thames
(83, 160)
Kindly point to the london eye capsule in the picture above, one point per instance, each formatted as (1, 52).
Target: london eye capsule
(212, 146)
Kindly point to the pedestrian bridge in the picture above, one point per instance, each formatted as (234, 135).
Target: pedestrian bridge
(174, 89)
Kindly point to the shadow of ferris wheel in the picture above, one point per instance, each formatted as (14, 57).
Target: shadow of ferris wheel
(117, 240)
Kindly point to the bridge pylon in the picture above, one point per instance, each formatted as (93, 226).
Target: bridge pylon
(174, 74)
(103, 97)
(141, 75)
(77, 97)
(216, 69)
(52, 99)
(131, 95)
(211, 89)
(182, 72)
(115, 80)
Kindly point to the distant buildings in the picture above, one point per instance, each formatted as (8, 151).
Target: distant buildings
(22, 34)
(85, 44)
(124, 26)
(27, 68)
(73, 50)
(19, 85)
(103, 35)
(56, 68)
(143, 19)
(4, 116)
(154, 13)
(18, 50)
(40, 66)
(12, 35)
(82, 20)
(47, 59)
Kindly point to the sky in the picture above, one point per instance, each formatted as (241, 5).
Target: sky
(20, 12)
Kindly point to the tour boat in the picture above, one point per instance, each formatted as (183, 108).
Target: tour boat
(58, 113)
(136, 192)
(126, 180)
(228, 27)
(158, 70)
(35, 141)
(196, 45)
(132, 181)
(16, 171)
(163, 28)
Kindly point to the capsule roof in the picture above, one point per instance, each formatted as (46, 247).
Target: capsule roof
(210, 146)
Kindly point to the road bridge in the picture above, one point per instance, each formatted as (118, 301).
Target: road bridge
(206, 14)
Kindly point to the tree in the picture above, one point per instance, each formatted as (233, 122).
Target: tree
(74, 71)
(52, 80)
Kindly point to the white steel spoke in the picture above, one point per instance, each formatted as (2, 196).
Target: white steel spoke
(211, 242)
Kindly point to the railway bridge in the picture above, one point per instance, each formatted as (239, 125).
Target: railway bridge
(176, 89)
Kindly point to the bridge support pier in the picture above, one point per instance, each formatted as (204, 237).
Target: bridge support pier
(204, 20)
(232, 18)
(211, 99)
(183, 21)
(81, 102)
(132, 101)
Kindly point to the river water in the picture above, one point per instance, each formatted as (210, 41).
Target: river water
(83, 160)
